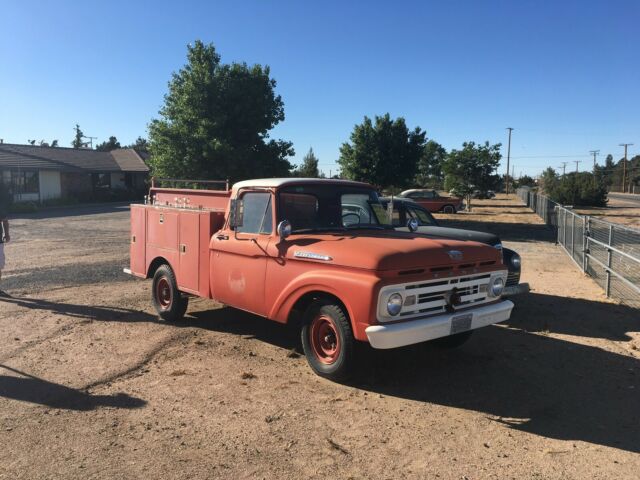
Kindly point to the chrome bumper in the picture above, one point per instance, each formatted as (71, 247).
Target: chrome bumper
(421, 330)
(516, 289)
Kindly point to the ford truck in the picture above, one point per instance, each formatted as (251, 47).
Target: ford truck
(321, 254)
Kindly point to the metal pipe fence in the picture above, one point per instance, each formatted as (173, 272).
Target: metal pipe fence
(608, 252)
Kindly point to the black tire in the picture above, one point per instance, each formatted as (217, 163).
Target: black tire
(449, 209)
(453, 341)
(325, 323)
(168, 301)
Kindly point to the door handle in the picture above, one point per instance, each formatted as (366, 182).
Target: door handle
(222, 237)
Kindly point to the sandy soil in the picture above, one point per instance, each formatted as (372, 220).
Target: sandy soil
(623, 209)
(93, 386)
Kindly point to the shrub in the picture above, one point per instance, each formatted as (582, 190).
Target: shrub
(579, 189)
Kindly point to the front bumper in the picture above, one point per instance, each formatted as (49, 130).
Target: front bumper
(511, 290)
(421, 330)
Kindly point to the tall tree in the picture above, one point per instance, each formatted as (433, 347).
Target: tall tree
(309, 166)
(548, 180)
(472, 168)
(54, 143)
(77, 141)
(383, 152)
(216, 119)
(429, 170)
(111, 144)
(140, 145)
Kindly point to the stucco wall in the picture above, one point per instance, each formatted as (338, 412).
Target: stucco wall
(50, 186)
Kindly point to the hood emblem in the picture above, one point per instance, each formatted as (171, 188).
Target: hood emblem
(312, 256)
(454, 254)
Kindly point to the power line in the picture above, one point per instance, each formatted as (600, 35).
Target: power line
(564, 167)
(577, 162)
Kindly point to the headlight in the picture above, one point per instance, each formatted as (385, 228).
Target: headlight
(496, 286)
(515, 261)
(394, 304)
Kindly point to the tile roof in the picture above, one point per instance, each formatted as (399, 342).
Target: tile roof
(70, 159)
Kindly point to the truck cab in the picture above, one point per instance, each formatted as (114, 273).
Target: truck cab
(319, 253)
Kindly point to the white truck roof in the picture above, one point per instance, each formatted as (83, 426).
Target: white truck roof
(281, 182)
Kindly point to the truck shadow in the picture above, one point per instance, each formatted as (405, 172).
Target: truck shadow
(28, 388)
(526, 381)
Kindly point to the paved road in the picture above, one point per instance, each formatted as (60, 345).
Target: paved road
(629, 199)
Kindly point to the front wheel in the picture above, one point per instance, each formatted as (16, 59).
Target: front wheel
(327, 340)
(167, 299)
(449, 209)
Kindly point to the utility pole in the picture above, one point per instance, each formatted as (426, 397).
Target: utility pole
(508, 158)
(594, 153)
(624, 167)
(564, 167)
(577, 162)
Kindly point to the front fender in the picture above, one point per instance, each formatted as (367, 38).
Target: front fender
(357, 292)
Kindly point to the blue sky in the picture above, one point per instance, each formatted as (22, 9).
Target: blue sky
(565, 75)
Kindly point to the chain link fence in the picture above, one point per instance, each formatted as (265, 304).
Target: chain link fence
(608, 252)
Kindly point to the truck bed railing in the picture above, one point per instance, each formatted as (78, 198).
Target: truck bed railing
(157, 182)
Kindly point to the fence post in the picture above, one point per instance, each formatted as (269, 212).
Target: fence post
(564, 228)
(573, 234)
(585, 243)
(609, 255)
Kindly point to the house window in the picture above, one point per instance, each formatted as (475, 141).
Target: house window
(101, 180)
(25, 181)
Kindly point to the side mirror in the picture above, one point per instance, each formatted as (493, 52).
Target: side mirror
(412, 224)
(235, 213)
(284, 229)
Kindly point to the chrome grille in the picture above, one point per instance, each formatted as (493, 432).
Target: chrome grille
(513, 278)
(426, 298)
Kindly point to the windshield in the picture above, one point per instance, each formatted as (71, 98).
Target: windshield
(404, 211)
(330, 207)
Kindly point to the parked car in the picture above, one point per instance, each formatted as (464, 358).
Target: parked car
(484, 194)
(432, 201)
(405, 210)
(321, 254)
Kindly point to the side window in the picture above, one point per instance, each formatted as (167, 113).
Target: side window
(430, 194)
(415, 195)
(255, 211)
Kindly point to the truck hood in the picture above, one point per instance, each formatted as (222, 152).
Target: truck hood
(456, 234)
(385, 250)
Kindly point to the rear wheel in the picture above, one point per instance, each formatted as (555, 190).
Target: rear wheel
(327, 340)
(453, 341)
(449, 209)
(167, 299)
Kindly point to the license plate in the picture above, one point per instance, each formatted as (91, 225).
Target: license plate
(461, 323)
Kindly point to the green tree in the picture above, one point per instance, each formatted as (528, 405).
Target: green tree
(429, 169)
(309, 166)
(472, 168)
(111, 144)
(54, 143)
(548, 180)
(383, 152)
(77, 140)
(140, 145)
(216, 119)
(579, 189)
(525, 181)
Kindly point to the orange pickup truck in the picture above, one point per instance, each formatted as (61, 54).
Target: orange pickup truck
(321, 254)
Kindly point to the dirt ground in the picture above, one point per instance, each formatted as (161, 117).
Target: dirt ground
(621, 208)
(93, 386)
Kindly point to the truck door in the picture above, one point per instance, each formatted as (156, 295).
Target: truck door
(239, 260)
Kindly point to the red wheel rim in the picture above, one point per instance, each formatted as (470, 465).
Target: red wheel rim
(325, 341)
(163, 292)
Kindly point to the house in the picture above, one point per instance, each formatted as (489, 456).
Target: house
(35, 173)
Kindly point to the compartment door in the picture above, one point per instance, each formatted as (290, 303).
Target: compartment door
(189, 246)
(138, 240)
